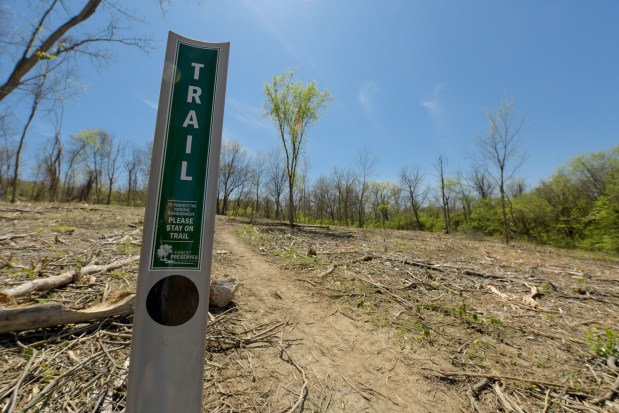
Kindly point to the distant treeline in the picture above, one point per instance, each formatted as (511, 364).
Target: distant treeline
(577, 207)
(92, 166)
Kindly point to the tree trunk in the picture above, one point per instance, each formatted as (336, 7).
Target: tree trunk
(291, 201)
(55, 165)
(35, 105)
(504, 207)
(505, 218)
(109, 191)
(130, 172)
(85, 192)
(416, 213)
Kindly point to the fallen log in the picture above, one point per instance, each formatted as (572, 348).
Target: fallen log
(48, 315)
(10, 295)
(31, 317)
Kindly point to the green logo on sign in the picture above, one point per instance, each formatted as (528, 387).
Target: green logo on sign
(178, 231)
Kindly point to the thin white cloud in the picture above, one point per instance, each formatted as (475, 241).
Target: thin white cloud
(44, 129)
(434, 105)
(244, 113)
(148, 102)
(367, 96)
(227, 135)
(274, 19)
(270, 17)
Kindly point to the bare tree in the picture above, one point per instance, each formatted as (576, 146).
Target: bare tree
(7, 152)
(39, 93)
(257, 173)
(323, 197)
(37, 182)
(132, 166)
(233, 171)
(49, 37)
(501, 150)
(75, 158)
(463, 193)
(276, 179)
(395, 196)
(366, 168)
(147, 156)
(303, 184)
(343, 180)
(516, 187)
(482, 183)
(113, 154)
(445, 192)
(411, 179)
(53, 164)
(137, 167)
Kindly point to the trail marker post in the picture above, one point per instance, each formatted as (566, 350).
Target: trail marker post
(166, 372)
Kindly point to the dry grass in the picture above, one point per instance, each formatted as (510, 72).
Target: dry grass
(509, 327)
(502, 327)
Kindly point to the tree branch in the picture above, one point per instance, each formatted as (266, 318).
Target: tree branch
(28, 62)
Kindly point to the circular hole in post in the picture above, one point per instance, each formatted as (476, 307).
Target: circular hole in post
(172, 301)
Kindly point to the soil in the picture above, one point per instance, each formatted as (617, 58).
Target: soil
(350, 367)
(326, 319)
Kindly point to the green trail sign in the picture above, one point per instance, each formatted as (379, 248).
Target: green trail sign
(180, 210)
(166, 370)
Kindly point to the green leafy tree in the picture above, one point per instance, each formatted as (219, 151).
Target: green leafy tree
(94, 147)
(578, 206)
(293, 106)
(601, 232)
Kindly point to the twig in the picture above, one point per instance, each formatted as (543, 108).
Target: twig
(546, 401)
(19, 382)
(611, 361)
(56, 382)
(303, 391)
(504, 377)
(357, 390)
(482, 275)
(507, 402)
(109, 356)
(329, 271)
(433, 267)
(332, 268)
(474, 392)
(365, 258)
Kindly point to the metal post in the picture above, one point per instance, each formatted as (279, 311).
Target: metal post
(166, 370)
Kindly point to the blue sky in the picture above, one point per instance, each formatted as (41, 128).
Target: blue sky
(410, 79)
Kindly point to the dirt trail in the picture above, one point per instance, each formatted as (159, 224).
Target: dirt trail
(350, 367)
